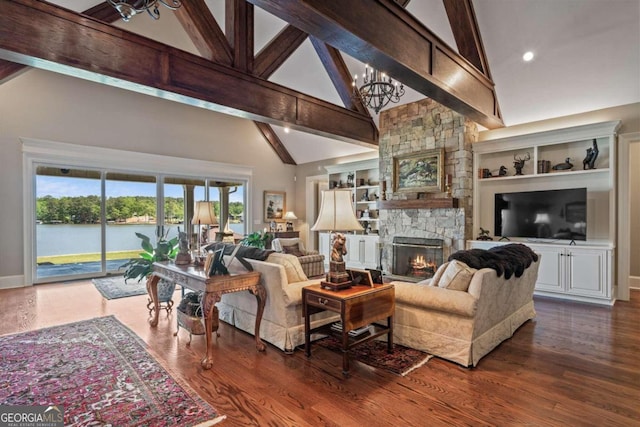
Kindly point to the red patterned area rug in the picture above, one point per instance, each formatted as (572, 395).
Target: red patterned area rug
(101, 373)
(374, 353)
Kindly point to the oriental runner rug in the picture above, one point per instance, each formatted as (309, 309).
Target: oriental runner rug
(374, 353)
(115, 287)
(100, 373)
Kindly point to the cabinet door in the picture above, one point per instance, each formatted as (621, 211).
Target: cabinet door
(551, 271)
(324, 246)
(369, 248)
(353, 251)
(587, 272)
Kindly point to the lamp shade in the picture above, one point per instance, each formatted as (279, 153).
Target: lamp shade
(289, 215)
(336, 212)
(203, 214)
(542, 218)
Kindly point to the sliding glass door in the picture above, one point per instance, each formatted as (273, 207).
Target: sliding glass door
(131, 206)
(87, 220)
(68, 216)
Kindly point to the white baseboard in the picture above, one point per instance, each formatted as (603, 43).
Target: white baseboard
(634, 282)
(8, 282)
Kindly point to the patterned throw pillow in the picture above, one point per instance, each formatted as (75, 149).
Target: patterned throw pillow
(292, 250)
(457, 276)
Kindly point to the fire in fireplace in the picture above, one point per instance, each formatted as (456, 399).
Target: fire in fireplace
(416, 257)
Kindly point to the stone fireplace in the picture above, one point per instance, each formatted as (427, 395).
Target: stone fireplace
(444, 216)
(416, 258)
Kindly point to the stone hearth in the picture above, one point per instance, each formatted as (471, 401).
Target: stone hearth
(413, 128)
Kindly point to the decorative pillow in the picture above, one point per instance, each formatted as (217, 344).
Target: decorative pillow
(292, 250)
(438, 274)
(292, 267)
(457, 276)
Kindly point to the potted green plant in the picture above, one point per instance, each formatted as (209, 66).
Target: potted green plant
(256, 239)
(142, 267)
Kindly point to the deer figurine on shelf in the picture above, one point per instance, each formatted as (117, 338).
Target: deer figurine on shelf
(519, 162)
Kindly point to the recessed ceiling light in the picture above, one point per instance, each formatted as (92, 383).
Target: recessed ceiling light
(286, 130)
(528, 56)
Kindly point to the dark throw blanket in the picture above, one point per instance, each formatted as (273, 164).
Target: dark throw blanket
(508, 259)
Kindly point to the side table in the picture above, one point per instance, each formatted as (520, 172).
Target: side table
(193, 277)
(358, 306)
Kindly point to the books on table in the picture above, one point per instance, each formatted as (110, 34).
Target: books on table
(337, 326)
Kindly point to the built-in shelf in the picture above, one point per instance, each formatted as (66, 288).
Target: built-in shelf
(441, 203)
(546, 175)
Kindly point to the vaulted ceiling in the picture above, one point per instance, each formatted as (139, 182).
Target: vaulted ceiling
(248, 61)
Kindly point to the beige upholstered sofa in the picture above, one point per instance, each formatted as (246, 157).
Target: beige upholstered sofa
(282, 322)
(463, 325)
(312, 262)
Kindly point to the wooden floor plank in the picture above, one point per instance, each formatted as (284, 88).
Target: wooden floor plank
(575, 364)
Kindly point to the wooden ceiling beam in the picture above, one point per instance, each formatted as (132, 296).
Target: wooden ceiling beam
(9, 70)
(277, 51)
(204, 31)
(339, 74)
(239, 30)
(406, 50)
(272, 138)
(212, 44)
(43, 35)
(464, 26)
(102, 11)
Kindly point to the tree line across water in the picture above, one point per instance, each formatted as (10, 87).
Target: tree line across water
(86, 209)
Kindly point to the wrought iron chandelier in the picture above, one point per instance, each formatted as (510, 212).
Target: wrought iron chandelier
(127, 9)
(377, 90)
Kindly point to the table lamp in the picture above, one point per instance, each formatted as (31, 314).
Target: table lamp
(203, 215)
(336, 215)
(289, 216)
(543, 220)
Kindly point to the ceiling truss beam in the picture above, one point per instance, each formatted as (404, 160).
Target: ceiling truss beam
(405, 50)
(204, 31)
(276, 52)
(466, 32)
(211, 42)
(339, 75)
(102, 11)
(42, 35)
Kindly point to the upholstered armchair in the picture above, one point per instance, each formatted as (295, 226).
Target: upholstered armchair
(312, 261)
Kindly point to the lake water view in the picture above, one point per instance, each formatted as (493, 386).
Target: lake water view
(65, 239)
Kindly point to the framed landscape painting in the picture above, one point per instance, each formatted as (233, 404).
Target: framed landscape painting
(419, 172)
(274, 205)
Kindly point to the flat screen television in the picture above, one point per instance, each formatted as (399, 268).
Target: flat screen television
(549, 214)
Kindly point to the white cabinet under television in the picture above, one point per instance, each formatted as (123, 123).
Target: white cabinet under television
(584, 271)
(580, 273)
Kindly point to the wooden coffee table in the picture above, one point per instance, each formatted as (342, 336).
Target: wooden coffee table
(358, 306)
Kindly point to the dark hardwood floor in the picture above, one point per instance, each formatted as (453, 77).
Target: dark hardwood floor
(575, 364)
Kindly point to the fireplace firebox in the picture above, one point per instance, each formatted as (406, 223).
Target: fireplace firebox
(415, 257)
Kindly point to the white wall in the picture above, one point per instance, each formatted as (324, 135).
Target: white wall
(634, 205)
(43, 105)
